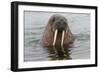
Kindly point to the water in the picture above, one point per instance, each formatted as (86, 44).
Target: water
(34, 26)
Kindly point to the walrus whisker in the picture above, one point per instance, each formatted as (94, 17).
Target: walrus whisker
(62, 40)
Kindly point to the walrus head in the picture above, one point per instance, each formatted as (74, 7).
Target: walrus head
(58, 25)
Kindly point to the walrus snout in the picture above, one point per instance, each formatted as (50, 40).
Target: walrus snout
(59, 23)
(60, 26)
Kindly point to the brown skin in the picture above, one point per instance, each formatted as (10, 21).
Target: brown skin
(60, 23)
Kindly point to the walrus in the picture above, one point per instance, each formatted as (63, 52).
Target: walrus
(57, 33)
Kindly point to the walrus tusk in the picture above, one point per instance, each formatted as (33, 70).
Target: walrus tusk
(54, 40)
(55, 36)
(62, 40)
